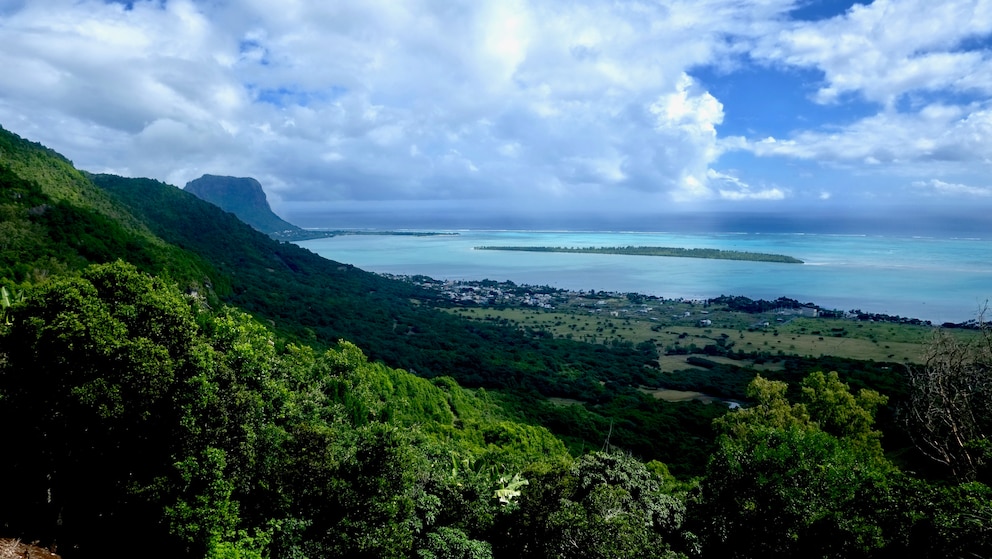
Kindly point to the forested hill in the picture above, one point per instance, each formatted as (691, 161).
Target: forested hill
(312, 298)
(316, 301)
(138, 397)
(320, 301)
(56, 220)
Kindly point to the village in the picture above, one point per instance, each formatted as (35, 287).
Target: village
(693, 312)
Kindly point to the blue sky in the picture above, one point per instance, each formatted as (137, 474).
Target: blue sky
(540, 114)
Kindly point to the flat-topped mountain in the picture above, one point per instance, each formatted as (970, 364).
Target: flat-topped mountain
(244, 197)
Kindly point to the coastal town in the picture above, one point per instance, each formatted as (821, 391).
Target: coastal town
(698, 312)
(507, 294)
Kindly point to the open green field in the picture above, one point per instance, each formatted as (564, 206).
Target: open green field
(685, 326)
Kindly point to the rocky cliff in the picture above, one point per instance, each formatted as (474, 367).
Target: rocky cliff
(244, 198)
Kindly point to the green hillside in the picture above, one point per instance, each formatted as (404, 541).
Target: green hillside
(166, 370)
(54, 220)
(315, 300)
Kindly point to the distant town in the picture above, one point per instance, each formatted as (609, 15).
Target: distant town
(493, 293)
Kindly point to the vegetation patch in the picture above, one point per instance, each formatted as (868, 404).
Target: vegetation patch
(671, 252)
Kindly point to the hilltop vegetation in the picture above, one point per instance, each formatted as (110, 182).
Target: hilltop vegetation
(167, 370)
(192, 427)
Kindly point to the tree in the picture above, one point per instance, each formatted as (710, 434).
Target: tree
(604, 505)
(842, 414)
(90, 368)
(797, 480)
(127, 417)
(949, 410)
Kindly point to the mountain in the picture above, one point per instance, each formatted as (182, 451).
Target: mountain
(245, 198)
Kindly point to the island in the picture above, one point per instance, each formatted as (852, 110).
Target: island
(711, 253)
(340, 232)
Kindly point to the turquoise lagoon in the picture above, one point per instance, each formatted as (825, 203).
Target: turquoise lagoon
(941, 280)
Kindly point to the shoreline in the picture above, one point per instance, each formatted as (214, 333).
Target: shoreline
(490, 292)
(940, 281)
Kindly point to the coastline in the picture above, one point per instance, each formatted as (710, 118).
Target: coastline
(940, 280)
(507, 293)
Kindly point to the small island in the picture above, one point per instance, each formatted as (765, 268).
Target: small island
(711, 253)
(341, 232)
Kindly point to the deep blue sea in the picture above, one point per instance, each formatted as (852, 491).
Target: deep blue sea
(942, 280)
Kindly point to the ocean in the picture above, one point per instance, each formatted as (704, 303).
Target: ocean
(936, 279)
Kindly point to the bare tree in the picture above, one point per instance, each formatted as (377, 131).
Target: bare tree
(949, 411)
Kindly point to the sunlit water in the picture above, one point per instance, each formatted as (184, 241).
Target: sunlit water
(932, 279)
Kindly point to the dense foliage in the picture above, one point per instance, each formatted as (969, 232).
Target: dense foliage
(137, 409)
(748, 305)
(53, 220)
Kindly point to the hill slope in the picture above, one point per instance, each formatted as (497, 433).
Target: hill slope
(136, 408)
(319, 301)
(55, 220)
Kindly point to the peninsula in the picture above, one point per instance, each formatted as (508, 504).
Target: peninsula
(711, 253)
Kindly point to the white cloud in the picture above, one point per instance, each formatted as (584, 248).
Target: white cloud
(938, 135)
(768, 194)
(732, 188)
(696, 114)
(942, 188)
(563, 94)
(924, 65)
(688, 118)
(889, 48)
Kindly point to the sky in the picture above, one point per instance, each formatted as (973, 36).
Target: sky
(635, 115)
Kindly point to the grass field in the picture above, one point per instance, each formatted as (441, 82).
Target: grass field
(688, 326)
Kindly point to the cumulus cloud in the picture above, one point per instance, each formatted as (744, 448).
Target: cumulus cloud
(688, 119)
(888, 48)
(928, 77)
(936, 134)
(407, 95)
